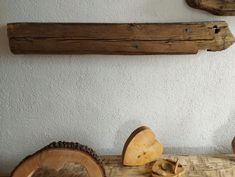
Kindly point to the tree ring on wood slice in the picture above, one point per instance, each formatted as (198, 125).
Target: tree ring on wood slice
(167, 168)
(141, 148)
(69, 170)
(61, 159)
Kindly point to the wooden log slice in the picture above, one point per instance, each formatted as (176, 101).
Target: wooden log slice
(118, 39)
(216, 7)
(141, 147)
(61, 159)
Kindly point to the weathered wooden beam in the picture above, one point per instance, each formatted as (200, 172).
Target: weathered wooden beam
(129, 39)
(216, 7)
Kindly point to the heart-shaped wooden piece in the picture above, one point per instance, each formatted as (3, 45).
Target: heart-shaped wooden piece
(141, 148)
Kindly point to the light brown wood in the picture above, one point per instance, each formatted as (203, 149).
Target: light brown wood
(233, 145)
(61, 159)
(217, 7)
(124, 39)
(141, 147)
(176, 166)
(69, 170)
(195, 166)
(167, 168)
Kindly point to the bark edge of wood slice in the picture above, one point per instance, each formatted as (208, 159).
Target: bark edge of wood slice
(56, 156)
(141, 147)
(119, 38)
(216, 7)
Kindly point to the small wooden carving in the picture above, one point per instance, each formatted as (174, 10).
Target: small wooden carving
(61, 159)
(217, 7)
(141, 147)
(167, 168)
(118, 39)
(233, 145)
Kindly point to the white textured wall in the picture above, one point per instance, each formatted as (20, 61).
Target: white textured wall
(189, 101)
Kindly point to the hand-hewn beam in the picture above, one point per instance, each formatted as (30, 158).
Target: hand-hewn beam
(130, 39)
(217, 7)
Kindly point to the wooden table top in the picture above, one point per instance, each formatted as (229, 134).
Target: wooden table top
(195, 166)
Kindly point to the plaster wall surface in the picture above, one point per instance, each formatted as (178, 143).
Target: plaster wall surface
(189, 101)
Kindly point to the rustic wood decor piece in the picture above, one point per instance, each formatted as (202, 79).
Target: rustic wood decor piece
(61, 159)
(125, 39)
(167, 168)
(141, 147)
(195, 166)
(216, 7)
(233, 145)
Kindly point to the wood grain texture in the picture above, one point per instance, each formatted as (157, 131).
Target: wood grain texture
(141, 147)
(124, 39)
(216, 7)
(167, 168)
(69, 170)
(195, 166)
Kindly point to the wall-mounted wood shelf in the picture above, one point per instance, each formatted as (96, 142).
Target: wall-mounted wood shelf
(124, 39)
(216, 7)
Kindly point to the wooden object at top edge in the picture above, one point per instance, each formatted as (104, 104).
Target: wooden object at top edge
(216, 7)
(118, 39)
